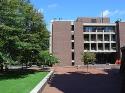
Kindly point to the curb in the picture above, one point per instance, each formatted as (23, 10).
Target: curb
(40, 86)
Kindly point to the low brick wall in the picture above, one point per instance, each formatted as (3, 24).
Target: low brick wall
(41, 85)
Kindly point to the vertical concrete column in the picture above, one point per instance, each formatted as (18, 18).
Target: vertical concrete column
(103, 41)
(110, 41)
(90, 41)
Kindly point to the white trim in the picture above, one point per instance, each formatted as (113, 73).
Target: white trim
(42, 83)
(100, 51)
(61, 20)
(99, 24)
(72, 50)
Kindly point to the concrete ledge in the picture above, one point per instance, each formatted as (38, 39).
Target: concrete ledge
(41, 85)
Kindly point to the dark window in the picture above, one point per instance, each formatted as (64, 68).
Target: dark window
(87, 29)
(72, 27)
(107, 46)
(72, 37)
(113, 37)
(86, 37)
(72, 55)
(93, 21)
(93, 29)
(86, 46)
(72, 45)
(73, 63)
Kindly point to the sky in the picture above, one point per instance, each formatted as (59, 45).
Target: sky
(71, 9)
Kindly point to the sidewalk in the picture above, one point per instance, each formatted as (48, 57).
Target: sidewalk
(73, 80)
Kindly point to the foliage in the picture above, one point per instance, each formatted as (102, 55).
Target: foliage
(23, 32)
(46, 58)
(88, 57)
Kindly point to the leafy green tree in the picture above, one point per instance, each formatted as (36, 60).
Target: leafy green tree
(88, 58)
(22, 32)
(45, 58)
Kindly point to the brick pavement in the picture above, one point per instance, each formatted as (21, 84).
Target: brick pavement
(73, 80)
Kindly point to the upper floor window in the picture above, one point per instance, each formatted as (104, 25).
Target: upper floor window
(72, 37)
(72, 27)
(110, 29)
(87, 29)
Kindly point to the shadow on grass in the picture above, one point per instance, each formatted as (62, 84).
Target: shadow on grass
(82, 82)
(17, 73)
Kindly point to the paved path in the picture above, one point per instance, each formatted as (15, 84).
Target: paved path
(73, 80)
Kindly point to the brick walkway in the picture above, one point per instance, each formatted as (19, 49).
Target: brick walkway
(73, 80)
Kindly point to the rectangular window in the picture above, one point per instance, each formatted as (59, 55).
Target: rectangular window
(72, 37)
(93, 46)
(107, 46)
(93, 29)
(113, 46)
(110, 29)
(86, 46)
(93, 37)
(73, 55)
(113, 37)
(72, 27)
(86, 37)
(72, 45)
(106, 37)
(100, 38)
(100, 46)
(87, 29)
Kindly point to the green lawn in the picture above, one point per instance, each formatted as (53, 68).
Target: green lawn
(16, 83)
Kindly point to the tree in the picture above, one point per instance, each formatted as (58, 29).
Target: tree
(88, 57)
(45, 58)
(22, 31)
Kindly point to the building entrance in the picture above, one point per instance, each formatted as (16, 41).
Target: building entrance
(103, 58)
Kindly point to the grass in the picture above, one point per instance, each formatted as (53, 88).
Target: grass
(20, 82)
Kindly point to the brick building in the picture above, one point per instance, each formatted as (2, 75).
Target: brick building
(70, 38)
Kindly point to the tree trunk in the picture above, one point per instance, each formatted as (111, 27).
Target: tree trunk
(26, 65)
(6, 67)
(1, 67)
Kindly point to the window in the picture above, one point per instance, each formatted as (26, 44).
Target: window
(100, 38)
(93, 37)
(72, 27)
(86, 46)
(73, 55)
(93, 46)
(93, 29)
(72, 37)
(100, 46)
(110, 29)
(86, 37)
(107, 46)
(100, 29)
(113, 46)
(87, 29)
(106, 37)
(113, 37)
(72, 45)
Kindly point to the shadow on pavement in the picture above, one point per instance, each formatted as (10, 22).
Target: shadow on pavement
(82, 82)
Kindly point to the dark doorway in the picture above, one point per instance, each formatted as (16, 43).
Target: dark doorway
(103, 58)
